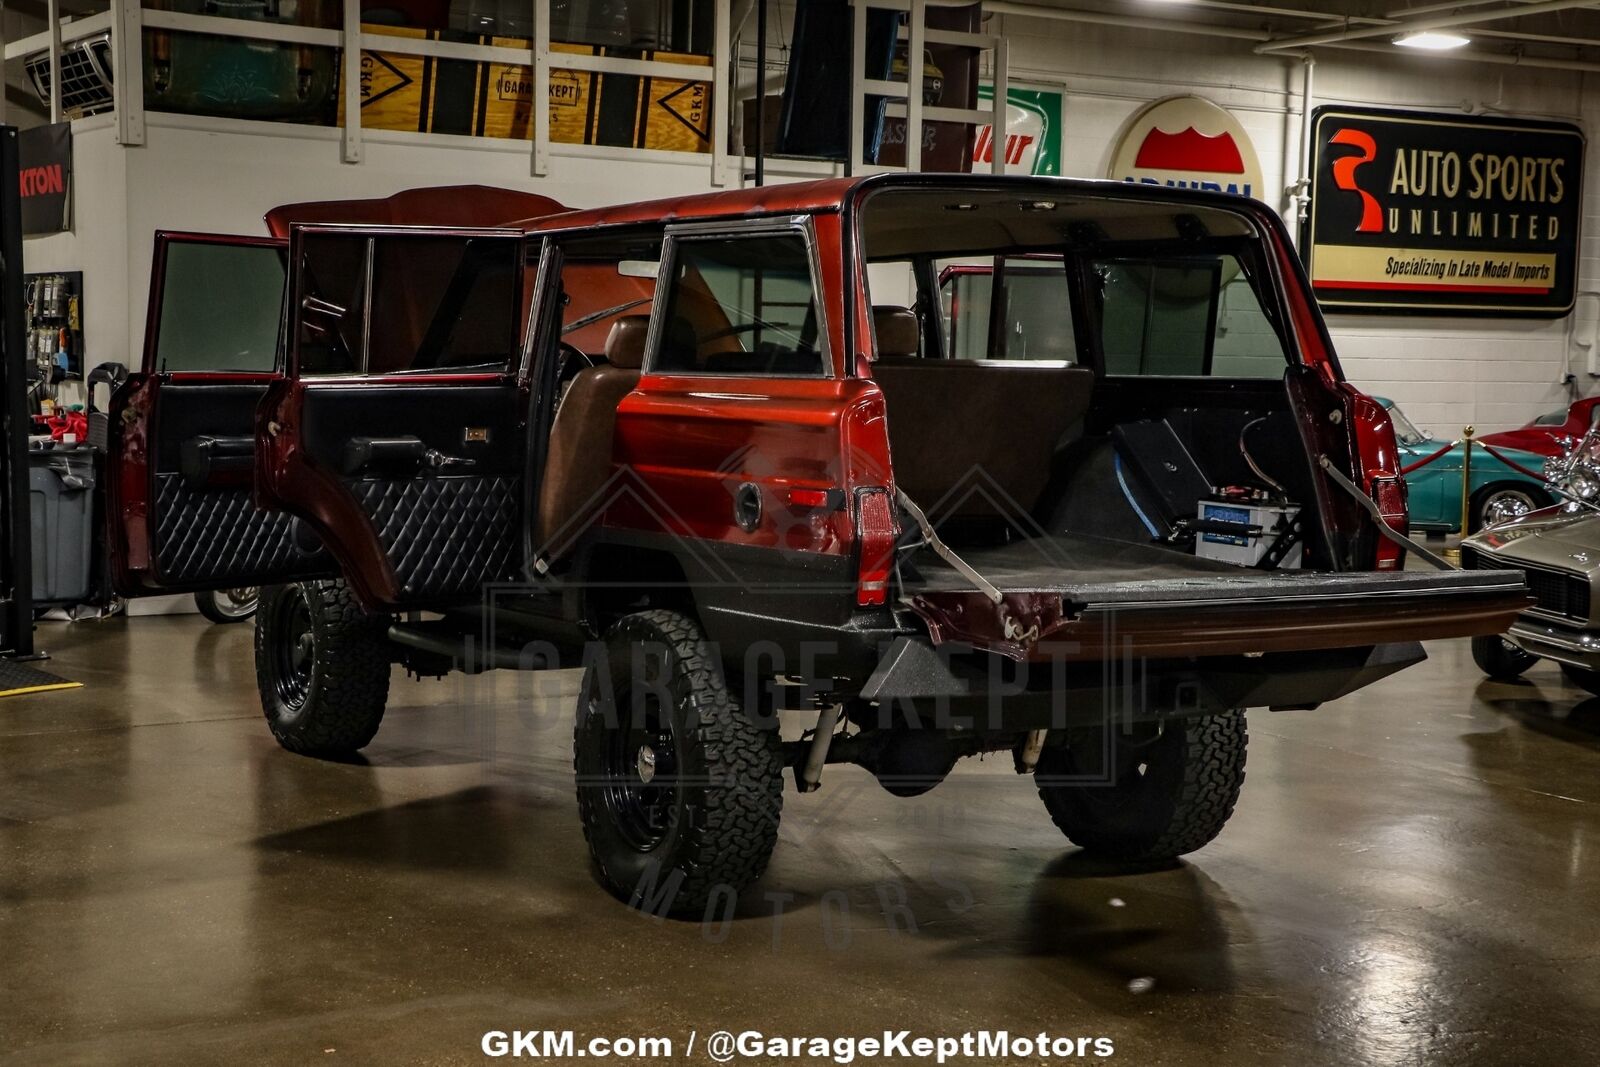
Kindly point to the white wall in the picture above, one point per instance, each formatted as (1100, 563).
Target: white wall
(1445, 372)
(222, 177)
(204, 175)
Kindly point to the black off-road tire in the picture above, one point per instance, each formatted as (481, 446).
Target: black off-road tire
(1176, 804)
(1584, 678)
(681, 802)
(322, 668)
(1500, 659)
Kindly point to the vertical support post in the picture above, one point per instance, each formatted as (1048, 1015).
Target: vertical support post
(721, 115)
(541, 89)
(16, 581)
(1466, 480)
(858, 89)
(53, 13)
(1001, 144)
(350, 74)
(761, 92)
(919, 14)
(127, 67)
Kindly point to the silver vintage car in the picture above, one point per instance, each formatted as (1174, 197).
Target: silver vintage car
(1558, 548)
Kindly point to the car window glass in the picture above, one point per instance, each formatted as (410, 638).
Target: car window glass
(332, 292)
(220, 307)
(604, 280)
(437, 303)
(1189, 317)
(1032, 294)
(443, 303)
(741, 305)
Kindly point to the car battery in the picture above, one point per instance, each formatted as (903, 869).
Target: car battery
(1274, 518)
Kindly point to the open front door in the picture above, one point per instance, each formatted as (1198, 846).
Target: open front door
(399, 433)
(181, 516)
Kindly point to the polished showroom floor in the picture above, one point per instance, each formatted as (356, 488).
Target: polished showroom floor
(1413, 875)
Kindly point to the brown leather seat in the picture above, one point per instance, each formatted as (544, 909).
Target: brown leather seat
(987, 430)
(896, 332)
(578, 462)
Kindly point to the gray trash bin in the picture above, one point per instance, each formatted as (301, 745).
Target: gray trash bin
(61, 510)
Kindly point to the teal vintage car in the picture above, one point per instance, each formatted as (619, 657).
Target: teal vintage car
(1499, 492)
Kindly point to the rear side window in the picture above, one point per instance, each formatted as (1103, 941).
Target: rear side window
(220, 307)
(1030, 294)
(393, 304)
(741, 305)
(1190, 317)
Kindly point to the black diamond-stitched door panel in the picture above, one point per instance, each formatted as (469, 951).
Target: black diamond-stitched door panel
(445, 535)
(217, 536)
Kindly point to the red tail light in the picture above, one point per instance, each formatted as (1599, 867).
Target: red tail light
(876, 533)
(1390, 496)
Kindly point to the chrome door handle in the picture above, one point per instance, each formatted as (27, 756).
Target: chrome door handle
(439, 461)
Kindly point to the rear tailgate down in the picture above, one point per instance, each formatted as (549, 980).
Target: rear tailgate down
(1049, 613)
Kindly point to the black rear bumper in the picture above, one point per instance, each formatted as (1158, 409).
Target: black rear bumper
(915, 682)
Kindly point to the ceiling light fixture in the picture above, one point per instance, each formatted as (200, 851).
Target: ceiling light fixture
(1432, 41)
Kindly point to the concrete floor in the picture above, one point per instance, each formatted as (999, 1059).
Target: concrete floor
(1413, 875)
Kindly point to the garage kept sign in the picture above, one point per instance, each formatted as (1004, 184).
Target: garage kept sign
(1444, 214)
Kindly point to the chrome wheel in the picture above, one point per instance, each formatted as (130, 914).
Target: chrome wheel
(228, 605)
(1503, 505)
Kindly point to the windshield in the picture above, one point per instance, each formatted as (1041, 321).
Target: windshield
(1405, 430)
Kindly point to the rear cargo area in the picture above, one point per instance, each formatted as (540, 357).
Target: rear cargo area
(1113, 435)
(1097, 372)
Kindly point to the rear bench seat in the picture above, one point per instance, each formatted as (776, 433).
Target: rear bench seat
(949, 416)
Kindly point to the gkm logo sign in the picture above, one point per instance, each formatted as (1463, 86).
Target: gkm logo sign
(1186, 142)
(1344, 175)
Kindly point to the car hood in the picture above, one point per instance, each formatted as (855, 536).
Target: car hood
(1553, 537)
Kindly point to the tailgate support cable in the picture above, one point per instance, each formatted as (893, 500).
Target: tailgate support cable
(1013, 629)
(1371, 508)
(946, 553)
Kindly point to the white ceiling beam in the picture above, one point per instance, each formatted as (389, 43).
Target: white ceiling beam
(1439, 22)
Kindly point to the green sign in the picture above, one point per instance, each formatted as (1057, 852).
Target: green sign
(1033, 131)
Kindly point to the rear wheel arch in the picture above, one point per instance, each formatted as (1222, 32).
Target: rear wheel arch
(616, 580)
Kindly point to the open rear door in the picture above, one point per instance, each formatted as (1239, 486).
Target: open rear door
(399, 432)
(181, 515)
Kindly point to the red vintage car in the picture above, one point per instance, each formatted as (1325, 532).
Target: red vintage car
(1550, 433)
(723, 453)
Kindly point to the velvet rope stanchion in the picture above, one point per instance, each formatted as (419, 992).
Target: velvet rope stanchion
(1425, 460)
(1513, 464)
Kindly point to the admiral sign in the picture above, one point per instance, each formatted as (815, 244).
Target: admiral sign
(1187, 143)
(1444, 214)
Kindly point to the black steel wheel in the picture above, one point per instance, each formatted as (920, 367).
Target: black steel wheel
(679, 790)
(1161, 792)
(322, 668)
(1500, 659)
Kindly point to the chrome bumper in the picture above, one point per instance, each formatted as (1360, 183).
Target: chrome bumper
(1581, 648)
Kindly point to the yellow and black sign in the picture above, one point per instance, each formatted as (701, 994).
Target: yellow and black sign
(1444, 214)
(402, 92)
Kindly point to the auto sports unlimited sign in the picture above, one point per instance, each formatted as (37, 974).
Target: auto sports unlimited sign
(1444, 214)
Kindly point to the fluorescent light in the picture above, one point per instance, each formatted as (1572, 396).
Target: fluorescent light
(1432, 40)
